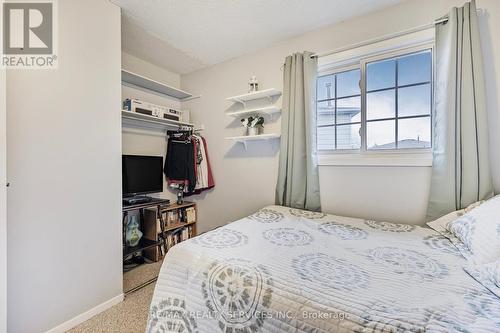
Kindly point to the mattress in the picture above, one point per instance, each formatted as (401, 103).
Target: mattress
(290, 270)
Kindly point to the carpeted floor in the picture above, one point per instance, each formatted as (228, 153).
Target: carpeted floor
(140, 275)
(130, 316)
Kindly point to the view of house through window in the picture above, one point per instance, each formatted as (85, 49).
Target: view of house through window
(339, 110)
(395, 114)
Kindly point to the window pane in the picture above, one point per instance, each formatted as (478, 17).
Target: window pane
(381, 104)
(348, 136)
(413, 101)
(381, 74)
(414, 133)
(326, 87)
(381, 134)
(348, 83)
(415, 68)
(326, 113)
(326, 137)
(348, 110)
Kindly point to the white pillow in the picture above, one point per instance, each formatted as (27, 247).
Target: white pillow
(441, 226)
(487, 274)
(479, 231)
(441, 223)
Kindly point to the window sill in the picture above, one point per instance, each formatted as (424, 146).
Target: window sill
(377, 159)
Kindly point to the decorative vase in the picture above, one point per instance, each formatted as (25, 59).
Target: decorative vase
(253, 84)
(133, 235)
(254, 130)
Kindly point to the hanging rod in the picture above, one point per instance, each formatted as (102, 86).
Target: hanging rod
(199, 129)
(381, 38)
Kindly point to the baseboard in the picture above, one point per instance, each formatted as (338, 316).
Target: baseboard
(86, 315)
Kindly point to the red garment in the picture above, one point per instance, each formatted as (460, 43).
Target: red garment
(211, 182)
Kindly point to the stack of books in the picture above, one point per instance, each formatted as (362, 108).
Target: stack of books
(190, 214)
(172, 217)
(178, 236)
(182, 215)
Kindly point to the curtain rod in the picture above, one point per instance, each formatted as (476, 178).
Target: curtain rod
(381, 38)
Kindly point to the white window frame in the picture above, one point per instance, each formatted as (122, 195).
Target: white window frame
(420, 157)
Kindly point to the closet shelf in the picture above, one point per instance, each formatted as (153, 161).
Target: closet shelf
(247, 138)
(267, 93)
(150, 84)
(268, 110)
(150, 121)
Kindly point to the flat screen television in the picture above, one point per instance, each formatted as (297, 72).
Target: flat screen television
(141, 174)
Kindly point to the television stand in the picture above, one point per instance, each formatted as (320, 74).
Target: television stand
(134, 254)
(138, 199)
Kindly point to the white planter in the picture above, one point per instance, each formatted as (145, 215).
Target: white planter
(254, 130)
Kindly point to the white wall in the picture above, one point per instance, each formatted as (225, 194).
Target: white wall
(147, 141)
(142, 67)
(3, 208)
(64, 147)
(3, 200)
(245, 180)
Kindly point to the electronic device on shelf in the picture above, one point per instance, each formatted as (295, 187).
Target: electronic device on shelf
(173, 114)
(141, 175)
(136, 200)
(138, 106)
(150, 109)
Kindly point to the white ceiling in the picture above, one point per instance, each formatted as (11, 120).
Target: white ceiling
(187, 35)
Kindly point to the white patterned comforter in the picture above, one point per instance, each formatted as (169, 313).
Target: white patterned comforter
(288, 270)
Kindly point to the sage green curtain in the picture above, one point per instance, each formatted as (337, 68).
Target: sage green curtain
(298, 179)
(460, 172)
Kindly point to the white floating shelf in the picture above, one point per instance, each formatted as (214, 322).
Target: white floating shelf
(151, 121)
(150, 84)
(267, 93)
(247, 138)
(269, 110)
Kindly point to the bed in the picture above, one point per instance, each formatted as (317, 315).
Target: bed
(290, 270)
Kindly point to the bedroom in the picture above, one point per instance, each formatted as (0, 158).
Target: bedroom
(414, 141)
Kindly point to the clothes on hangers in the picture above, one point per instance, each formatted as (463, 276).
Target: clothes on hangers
(211, 181)
(199, 154)
(204, 178)
(180, 166)
(202, 174)
(187, 162)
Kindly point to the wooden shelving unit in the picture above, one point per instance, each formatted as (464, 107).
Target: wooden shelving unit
(153, 228)
(177, 206)
(178, 225)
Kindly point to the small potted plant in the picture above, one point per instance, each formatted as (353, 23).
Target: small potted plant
(254, 125)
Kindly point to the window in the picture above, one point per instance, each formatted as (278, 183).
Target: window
(339, 110)
(380, 104)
